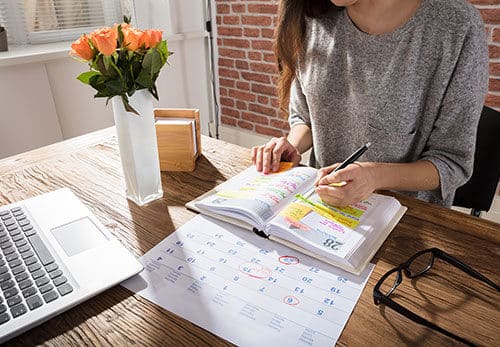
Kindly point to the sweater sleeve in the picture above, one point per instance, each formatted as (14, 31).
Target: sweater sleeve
(298, 109)
(451, 144)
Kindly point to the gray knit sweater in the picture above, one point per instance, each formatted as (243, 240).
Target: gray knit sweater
(415, 93)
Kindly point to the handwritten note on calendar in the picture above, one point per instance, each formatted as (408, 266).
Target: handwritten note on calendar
(246, 289)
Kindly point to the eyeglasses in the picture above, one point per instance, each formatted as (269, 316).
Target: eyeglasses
(417, 265)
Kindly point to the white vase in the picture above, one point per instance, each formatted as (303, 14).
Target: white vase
(138, 147)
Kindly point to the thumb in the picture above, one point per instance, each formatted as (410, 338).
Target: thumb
(343, 175)
(324, 172)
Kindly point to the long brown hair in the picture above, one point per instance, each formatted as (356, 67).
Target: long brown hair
(289, 37)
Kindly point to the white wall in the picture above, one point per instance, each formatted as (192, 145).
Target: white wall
(28, 117)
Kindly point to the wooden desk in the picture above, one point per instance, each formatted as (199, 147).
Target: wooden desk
(90, 166)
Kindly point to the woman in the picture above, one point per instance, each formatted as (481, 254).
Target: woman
(408, 76)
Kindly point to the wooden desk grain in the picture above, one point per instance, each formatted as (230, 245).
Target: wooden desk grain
(90, 166)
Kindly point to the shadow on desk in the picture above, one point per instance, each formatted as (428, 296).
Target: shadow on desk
(153, 222)
(69, 325)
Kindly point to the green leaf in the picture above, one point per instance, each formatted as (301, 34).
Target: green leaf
(86, 76)
(127, 106)
(144, 79)
(114, 86)
(107, 61)
(156, 64)
(147, 61)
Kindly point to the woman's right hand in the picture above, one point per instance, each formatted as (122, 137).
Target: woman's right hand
(266, 158)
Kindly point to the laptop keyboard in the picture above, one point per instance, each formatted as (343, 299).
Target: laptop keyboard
(29, 274)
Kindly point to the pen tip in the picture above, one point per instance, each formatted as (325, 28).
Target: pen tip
(368, 144)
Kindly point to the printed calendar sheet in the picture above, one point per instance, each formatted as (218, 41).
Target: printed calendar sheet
(246, 289)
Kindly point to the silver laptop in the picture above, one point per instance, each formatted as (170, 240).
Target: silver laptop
(54, 254)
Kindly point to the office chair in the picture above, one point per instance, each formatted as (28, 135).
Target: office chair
(478, 193)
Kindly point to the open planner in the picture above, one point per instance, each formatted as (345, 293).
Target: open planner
(283, 207)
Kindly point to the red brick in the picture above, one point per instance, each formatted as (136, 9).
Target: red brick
(245, 125)
(219, 42)
(262, 45)
(226, 62)
(271, 112)
(229, 73)
(495, 35)
(257, 56)
(257, 77)
(487, 32)
(223, 8)
(238, 8)
(229, 31)
(490, 15)
(223, 91)
(243, 85)
(268, 131)
(227, 102)
(494, 51)
(495, 69)
(231, 20)
(258, 8)
(251, 32)
(256, 20)
(492, 101)
(255, 118)
(241, 105)
(239, 43)
(484, 2)
(261, 67)
(280, 124)
(227, 82)
(267, 33)
(270, 57)
(237, 94)
(230, 112)
(275, 21)
(242, 64)
(231, 53)
(263, 100)
(274, 102)
(263, 89)
(228, 120)
(218, 20)
(494, 85)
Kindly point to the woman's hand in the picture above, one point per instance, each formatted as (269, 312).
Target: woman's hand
(350, 185)
(267, 157)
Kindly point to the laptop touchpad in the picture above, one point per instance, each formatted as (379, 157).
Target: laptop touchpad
(78, 236)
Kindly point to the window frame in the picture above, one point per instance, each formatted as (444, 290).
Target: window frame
(18, 34)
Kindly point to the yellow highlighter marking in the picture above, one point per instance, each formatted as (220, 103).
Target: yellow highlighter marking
(335, 214)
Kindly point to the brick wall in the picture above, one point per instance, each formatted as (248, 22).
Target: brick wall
(490, 11)
(247, 71)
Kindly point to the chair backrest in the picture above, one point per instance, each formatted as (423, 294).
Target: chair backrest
(479, 191)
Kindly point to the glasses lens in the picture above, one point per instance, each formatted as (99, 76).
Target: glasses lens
(389, 283)
(420, 264)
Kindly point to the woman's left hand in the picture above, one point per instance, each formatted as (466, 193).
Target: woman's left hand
(359, 184)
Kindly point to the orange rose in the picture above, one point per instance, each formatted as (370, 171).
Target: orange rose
(82, 49)
(104, 40)
(151, 38)
(132, 38)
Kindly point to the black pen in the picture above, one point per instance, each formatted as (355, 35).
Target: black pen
(353, 157)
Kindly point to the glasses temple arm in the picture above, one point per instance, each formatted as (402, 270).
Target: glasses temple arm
(467, 269)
